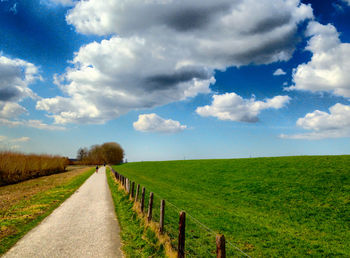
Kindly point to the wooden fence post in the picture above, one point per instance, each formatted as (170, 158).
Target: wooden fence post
(220, 246)
(128, 185)
(181, 242)
(143, 198)
(150, 207)
(161, 216)
(132, 189)
(137, 192)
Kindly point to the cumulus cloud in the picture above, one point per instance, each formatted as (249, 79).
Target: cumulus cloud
(334, 124)
(166, 52)
(11, 109)
(329, 68)
(31, 123)
(233, 107)
(15, 77)
(278, 72)
(154, 123)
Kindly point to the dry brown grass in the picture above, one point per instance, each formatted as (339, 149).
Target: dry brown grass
(10, 195)
(16, 167)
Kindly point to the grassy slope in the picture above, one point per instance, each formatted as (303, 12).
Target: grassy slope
(137, 241)
(25, 204)
(288, 206)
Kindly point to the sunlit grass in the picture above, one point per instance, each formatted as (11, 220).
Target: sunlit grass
(288, 206)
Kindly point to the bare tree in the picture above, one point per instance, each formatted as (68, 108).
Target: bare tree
(82, 154)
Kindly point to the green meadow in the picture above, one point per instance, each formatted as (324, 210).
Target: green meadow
(284, 206)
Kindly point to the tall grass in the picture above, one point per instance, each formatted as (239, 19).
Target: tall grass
(16, 167)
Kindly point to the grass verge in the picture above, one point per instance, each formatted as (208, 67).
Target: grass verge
(26, 204)
(137, 240)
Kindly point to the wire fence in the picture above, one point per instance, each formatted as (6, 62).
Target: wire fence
(200, 239)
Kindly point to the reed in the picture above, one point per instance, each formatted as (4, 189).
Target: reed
(16, 167)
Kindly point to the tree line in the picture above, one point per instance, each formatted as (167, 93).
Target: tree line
(109, 153)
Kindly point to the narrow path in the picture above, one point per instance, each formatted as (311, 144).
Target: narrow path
(83, 226)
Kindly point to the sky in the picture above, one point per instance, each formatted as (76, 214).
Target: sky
(176, 79)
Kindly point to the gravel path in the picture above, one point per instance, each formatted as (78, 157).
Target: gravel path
(83, 226)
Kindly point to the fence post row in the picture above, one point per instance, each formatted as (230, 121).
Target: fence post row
(181, 242)
(130, 187)
(150, 206)
(220, 246)
(161, 217)
(143, 198)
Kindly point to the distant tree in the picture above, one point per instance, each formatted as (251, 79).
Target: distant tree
(95, 155)
(109, 152)
(112, 153)
(82, 154)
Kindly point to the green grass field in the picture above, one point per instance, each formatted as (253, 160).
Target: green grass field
(286, 206)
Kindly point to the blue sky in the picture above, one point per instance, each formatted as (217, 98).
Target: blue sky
(176, 79)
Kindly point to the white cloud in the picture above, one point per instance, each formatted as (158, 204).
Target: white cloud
(154, 123)
(15, 147)
(13, 9)
(31, 123)
(347, 1)
(15, 77)
(21, 139)
(58, 2)
(334, 124)
(166, 52)
(233, 107)
(329, 68)
(7, 143)
(278, 72)
(11, 109)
